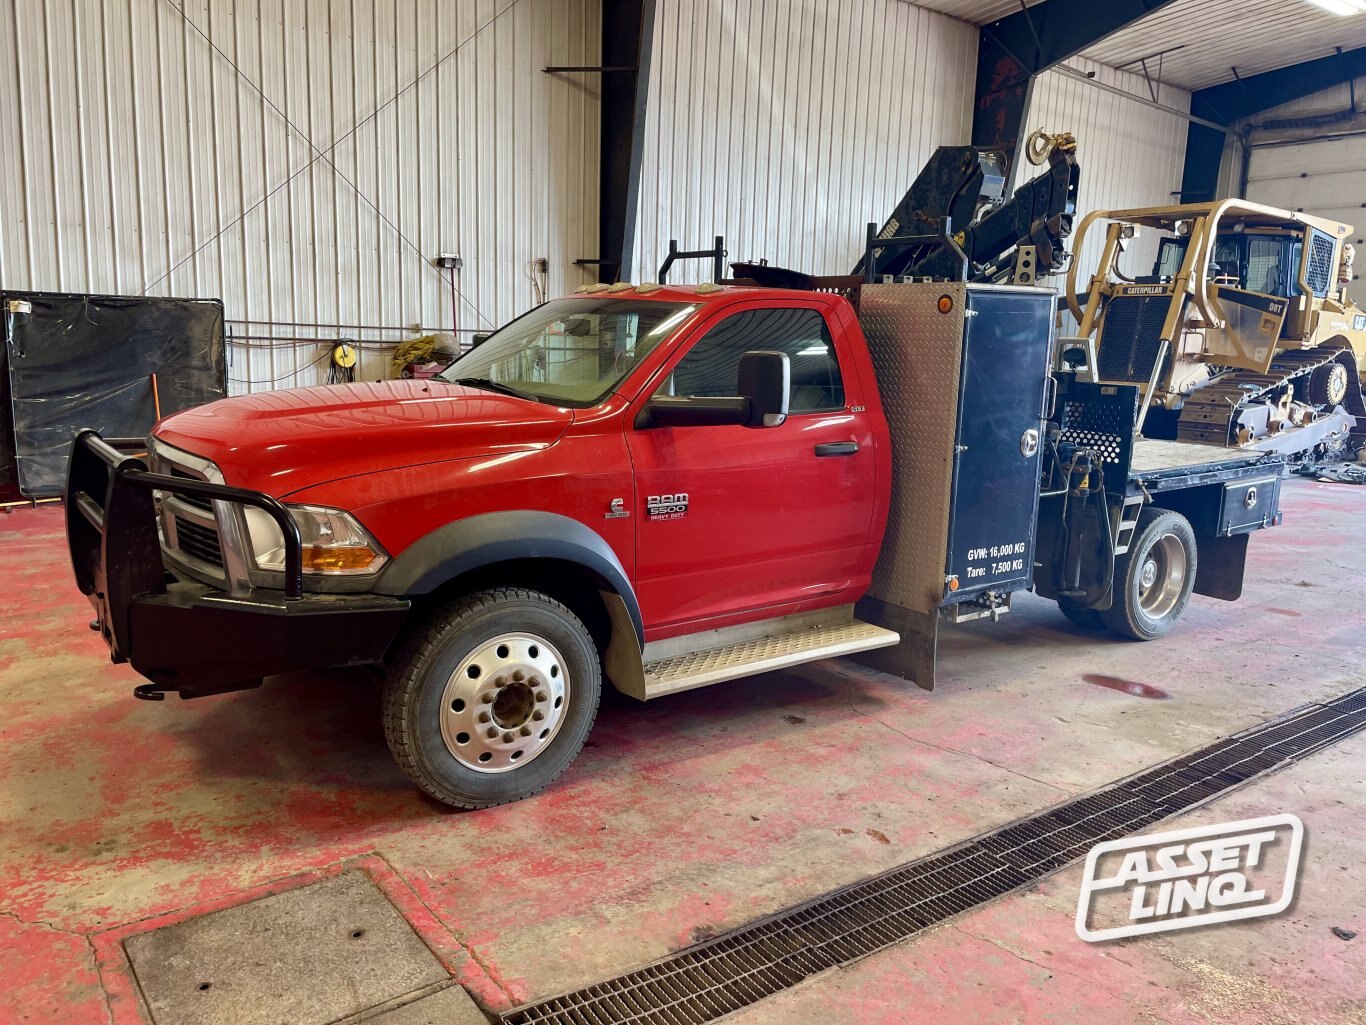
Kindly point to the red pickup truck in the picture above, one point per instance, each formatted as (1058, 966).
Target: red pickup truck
(663, 487)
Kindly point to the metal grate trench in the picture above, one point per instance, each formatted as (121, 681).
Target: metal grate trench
(721, 975)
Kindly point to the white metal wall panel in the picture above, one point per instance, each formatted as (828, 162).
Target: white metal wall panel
(304, 160)
(1320, 170)
(1293, 167)
(1303, 138)
(1130, 153)
(787, 125)
(1327, 101)
(1322, 177)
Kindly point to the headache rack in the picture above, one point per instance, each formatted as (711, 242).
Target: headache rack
(764, 275)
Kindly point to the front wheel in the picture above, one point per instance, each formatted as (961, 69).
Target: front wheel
(1154, 579)
(492, 697)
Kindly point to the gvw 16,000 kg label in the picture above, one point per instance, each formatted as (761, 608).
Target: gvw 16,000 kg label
(997, 560)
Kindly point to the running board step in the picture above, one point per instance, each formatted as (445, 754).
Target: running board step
(763, 654)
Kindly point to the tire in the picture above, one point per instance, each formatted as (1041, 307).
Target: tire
(1080, 616)
(1328, 385)
(1154, 579)
(491, 697)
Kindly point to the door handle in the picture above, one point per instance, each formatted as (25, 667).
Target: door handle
(837, 448)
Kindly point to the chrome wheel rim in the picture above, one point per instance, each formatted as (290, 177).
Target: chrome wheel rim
(1162, 576)
(505, 702)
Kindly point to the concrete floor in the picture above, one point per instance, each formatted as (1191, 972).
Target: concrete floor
(696, 813)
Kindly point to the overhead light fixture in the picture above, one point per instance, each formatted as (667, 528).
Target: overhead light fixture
(1343, 7)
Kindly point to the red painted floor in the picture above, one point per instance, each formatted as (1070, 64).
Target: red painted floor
(695, 813)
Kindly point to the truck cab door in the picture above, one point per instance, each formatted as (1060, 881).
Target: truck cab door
(743, 523)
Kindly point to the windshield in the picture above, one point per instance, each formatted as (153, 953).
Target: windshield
(1170, 257)
(1256, 262)
(1225, 261)
(570, 351)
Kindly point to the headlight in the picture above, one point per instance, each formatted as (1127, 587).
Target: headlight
(333, 542)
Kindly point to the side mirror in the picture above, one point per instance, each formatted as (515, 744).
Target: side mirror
(766, 382)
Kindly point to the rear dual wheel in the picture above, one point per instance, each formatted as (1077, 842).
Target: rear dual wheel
(1154, 578)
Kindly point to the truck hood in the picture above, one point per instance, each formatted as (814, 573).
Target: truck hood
(280, 442)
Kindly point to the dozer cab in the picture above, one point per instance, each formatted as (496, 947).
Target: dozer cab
(1240, 335)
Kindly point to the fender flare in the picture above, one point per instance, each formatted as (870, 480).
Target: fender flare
(477, 541)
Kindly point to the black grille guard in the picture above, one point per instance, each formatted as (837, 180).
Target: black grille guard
(112, 535)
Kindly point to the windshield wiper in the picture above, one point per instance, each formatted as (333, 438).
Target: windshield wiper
(488, 384)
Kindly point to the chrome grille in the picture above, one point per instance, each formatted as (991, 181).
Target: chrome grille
(199, 503)
(190, 523)
(198, 541)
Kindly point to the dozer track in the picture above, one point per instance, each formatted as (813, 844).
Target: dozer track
(1209, 413)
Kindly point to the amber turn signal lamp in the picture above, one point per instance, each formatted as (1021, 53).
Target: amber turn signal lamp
(338, 559)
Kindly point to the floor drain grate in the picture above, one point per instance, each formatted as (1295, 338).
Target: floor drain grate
(729, 972)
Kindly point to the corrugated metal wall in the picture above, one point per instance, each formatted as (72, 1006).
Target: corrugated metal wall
(1310, 155)
(1271, 127)
(304, 160)
(1131, 154)
(787, 125)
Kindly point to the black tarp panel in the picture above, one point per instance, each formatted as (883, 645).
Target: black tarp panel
(8, 484)
(79, 361)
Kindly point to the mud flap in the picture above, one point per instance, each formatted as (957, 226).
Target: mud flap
(1220, 565)
(913, 658)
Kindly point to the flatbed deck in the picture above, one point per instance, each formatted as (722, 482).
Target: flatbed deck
(1158, 465)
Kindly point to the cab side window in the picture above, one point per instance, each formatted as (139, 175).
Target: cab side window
(712, 366)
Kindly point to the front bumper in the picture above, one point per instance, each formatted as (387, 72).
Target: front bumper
(187, 637)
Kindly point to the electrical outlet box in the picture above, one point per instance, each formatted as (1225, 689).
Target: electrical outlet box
(449, 261)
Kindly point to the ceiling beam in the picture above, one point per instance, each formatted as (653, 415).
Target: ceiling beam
(1013, 52)
(1243, 97)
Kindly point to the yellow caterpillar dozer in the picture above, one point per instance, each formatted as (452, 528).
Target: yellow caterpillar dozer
(1242, 333)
